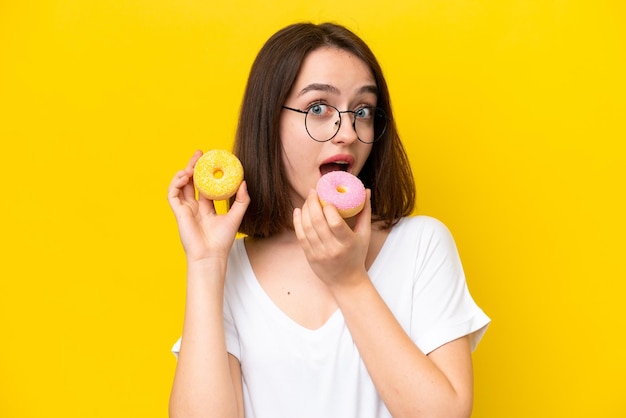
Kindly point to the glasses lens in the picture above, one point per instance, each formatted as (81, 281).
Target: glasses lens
(370, 124)
(323, 121)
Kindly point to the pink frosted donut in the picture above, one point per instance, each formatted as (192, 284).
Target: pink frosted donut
(342, 190)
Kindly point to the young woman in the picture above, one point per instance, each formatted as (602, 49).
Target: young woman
(311, 315)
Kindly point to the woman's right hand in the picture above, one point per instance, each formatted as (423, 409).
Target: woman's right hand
(204, 234)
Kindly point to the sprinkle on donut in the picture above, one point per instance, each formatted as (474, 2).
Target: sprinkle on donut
(342, 190)
(218, 174)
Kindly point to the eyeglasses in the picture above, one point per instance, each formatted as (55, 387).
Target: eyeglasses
(322, 122)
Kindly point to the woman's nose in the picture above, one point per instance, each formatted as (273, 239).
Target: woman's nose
(347, 132)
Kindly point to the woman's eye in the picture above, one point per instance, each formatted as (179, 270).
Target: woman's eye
(318, 109)
(364, 112)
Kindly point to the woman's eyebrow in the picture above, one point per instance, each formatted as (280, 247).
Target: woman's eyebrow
(334, 90)
(319, 87)
(369, 89)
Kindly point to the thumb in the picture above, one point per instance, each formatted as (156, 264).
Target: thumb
(363, 226)
(241, 202)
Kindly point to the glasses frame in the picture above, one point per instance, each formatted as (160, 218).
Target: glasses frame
(375, 109)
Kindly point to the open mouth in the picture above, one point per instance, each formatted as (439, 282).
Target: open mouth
(334, 166)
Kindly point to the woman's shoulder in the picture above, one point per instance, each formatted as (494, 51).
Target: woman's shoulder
(425, 232)
(421, 223)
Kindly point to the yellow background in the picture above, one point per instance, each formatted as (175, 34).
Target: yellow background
(514, 115)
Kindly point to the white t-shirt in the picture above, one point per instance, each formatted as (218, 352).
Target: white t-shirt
(290, 371)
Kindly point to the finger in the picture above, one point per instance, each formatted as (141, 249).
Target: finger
(193, 160)
(241, 203)
(178, 181)
(313, 220)
(363, 226)
(336, 224)
(189, 191)
(314, 208)
(206, 206)
(182, 179)
(298, 228)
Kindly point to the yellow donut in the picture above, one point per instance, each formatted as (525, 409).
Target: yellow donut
(218, 174)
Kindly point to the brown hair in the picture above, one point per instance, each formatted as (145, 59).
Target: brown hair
(386, 172)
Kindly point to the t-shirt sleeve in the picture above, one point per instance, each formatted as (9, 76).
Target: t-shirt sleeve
(176, 348)
(230, 331)
(232, 338)
(443, 308)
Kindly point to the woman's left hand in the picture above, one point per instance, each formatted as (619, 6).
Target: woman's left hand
(335, 252)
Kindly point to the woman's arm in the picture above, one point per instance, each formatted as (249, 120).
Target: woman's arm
(410, 383)
(203, 383)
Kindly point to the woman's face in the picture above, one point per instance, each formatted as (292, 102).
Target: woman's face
(328, 76)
